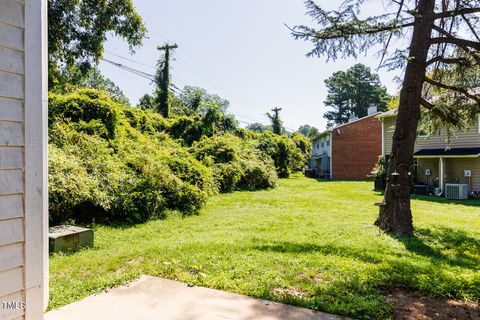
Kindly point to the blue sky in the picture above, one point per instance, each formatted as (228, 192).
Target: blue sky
(240, 50)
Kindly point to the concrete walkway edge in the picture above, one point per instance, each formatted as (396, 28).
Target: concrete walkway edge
(151, 298)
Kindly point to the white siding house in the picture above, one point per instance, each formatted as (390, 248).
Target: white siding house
(446, 161)
(23, 159)
(321, 155)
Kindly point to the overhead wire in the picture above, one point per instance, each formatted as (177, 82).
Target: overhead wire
(173, 87)
(218, 84)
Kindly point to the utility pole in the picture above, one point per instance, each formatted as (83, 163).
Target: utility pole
(162, 80)
(275, 119)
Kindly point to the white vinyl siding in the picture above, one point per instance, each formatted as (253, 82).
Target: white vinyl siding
(463, 139)
(23, 156)
(454, 172)
(12, 139)
(454, 167)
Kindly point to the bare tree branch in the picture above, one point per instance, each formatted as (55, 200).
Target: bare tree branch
(463, 43)
(441, 59)
(467, 21)
(400, 3)
(453, 88)
(455, 13)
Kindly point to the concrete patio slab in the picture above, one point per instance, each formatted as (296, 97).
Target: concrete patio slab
(151, 298)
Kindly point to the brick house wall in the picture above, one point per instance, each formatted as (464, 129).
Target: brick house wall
(356, 147)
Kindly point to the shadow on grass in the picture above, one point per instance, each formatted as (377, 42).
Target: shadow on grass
(447, 245)
(440, 200)
(469, 202)
(328, 249)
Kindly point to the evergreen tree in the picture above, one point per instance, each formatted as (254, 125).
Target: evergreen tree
(352, 92)
(444, 45)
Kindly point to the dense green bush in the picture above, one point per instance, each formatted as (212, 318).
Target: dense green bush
(257, 175)
(88, 106)
(237, 163)
(288, 154)
(131, 174)
(111, 163)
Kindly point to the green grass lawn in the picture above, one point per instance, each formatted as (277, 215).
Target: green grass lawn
(306, 243)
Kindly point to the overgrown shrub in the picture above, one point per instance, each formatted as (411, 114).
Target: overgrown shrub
(86, 106)
(111, 163)
(237, 163)
(128, 175)
(257, 175)
(288, 154)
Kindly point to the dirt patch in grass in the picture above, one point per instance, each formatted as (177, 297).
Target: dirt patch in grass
(410, 305)
(289, 292)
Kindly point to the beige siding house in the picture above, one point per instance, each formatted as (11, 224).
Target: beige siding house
(446, 162)
(23, 159)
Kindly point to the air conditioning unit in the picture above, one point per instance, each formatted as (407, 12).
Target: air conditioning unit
(456, 191)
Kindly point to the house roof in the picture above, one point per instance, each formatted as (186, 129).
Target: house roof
(388, 114)
(452, 153)
(324, 133)
(354, 121)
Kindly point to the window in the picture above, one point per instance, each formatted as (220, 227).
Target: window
(323, 144)
(328, 142)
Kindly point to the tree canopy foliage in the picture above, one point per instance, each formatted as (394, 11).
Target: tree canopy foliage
(73, 79)
(198, 101)
(453, 60)
(258, 127)
(77, 31)
(308, 131)
(352, 92)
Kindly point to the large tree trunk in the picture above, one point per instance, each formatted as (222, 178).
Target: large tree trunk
(395, 213)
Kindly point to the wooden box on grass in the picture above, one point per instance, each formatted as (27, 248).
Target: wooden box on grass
(69, 238)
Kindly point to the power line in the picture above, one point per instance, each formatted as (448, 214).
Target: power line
(172, 86)
(219, 84)
(143, 64)
(130, 60)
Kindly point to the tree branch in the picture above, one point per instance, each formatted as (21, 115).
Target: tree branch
(441, 59)
(427, 105)
(466, 45)
(463, 43)
(400, 3)
(454, 13)
(472, 28)
(433, 108)
(452, 88)
(327, 36)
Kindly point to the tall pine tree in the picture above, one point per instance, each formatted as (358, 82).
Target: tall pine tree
(352, 92)
(444, 45)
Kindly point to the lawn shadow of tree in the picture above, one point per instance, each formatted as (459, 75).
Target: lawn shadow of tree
(439, 200)
(448, 245)
(326, 249)
(443, 253)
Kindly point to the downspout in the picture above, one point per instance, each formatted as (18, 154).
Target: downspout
(441, 165)
(383, 139)
(331, 155)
